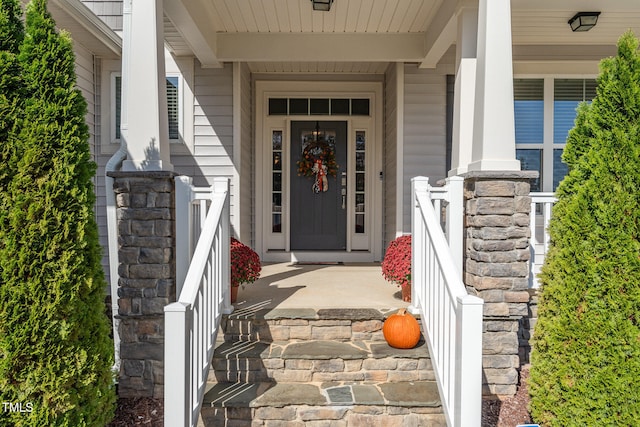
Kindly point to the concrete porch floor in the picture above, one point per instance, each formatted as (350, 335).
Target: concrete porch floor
(287, 285)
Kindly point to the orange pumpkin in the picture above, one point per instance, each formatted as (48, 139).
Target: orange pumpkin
(401, 330)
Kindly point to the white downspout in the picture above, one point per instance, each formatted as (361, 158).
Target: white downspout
(115, 163)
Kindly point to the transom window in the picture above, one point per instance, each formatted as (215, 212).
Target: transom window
(545, 110)
(319, 106)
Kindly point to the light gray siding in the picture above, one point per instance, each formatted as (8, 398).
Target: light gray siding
(212, 154)
(246, 166)
(213, 127)
(88, 81)
(425, 130)
(110, 11)
(390, 153)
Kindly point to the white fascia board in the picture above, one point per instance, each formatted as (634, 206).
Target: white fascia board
(320, 47)
(109, 43)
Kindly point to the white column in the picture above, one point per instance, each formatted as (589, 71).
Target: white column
(145, 128)
(465, 90)
(494, 146)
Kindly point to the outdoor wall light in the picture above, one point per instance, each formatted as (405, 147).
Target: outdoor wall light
(323, 5)
(584, 21)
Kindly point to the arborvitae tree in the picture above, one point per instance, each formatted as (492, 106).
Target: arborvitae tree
(55, 350)
(11, 36)
(586, 358)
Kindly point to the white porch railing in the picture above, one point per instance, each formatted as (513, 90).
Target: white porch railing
(191, 323)
(540, 215)
(452, 319)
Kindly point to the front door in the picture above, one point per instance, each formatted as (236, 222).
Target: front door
(318, 185)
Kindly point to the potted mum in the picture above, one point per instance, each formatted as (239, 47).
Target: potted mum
(396, 265)
(245, 266)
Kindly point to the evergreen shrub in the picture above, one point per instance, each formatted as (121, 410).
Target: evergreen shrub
(586, 356)
(55, 352)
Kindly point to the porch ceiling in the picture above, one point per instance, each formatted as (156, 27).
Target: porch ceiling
(363, 36)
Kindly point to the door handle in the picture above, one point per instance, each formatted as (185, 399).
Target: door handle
(344, 198)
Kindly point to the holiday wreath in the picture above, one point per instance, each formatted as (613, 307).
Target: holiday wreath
(318, 160)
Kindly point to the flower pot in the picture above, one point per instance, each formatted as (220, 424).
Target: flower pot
(406, 293)
(234, 293)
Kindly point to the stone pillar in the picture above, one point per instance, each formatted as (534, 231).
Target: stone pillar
(496, 268)
(145, 203)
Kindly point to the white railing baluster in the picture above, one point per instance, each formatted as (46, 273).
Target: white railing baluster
(191, 323)
(449, 315)
(540, 239)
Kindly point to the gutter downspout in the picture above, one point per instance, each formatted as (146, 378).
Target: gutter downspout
(115, 163)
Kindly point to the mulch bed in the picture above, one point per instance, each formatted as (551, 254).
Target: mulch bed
(509, 412)
(139, 411)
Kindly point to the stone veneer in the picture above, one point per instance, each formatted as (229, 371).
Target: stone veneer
(496, 268)
(145, 203)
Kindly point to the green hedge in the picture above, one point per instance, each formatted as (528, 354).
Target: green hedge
(55, 350)
(586, 357)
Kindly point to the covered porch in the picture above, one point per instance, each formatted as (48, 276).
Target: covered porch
(319, 285)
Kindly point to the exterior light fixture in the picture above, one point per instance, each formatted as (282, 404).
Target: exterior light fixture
(583, 21)
(323, 5)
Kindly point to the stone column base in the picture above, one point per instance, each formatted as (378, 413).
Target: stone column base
(496, 268)
(145, 203)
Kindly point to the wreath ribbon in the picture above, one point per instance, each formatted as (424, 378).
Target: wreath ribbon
(321, 182)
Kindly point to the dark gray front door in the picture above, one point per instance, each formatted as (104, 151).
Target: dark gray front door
(318, 215)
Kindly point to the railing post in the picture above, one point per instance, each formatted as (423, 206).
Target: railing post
(418, 184)
(177, 369)
(183, 230)
(220, 186)
(468, 381)
(455, 222)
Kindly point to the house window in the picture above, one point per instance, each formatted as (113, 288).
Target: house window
(173, 106)
(545, 110)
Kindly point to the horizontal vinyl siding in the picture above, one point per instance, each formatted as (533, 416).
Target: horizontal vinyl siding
(88, 81)
(425, 131)
(390, 154)
(212, 130)
(246, 156)
(110, 11)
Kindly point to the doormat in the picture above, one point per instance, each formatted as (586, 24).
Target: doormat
(317, 263)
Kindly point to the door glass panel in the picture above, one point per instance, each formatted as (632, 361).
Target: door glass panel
(276, 181)
(360, 181)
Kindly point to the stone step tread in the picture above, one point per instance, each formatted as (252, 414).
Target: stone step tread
(268, 394)
(316, 350)
(313, 314)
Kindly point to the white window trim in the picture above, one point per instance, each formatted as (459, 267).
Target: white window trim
(182, 68)
(548, 145)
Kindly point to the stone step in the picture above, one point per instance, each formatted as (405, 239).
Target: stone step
(305, 324)
(331, 403)
(319, 360)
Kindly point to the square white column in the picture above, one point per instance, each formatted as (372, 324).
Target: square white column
(494, 146)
